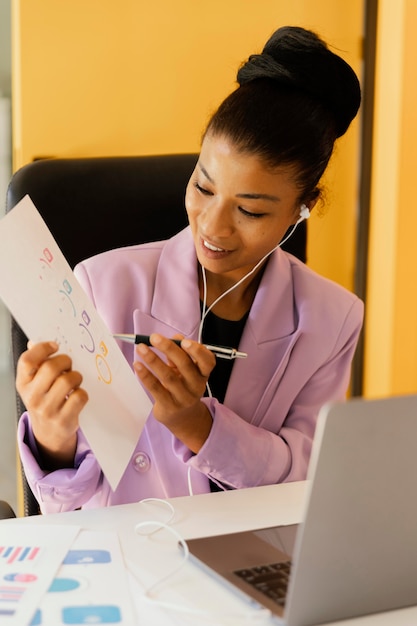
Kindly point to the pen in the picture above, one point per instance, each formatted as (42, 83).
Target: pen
(221, 351)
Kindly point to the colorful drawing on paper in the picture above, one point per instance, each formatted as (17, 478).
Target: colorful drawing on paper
(82, 320)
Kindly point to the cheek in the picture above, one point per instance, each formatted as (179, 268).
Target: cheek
(265, 239)
(255, 241)
(191, 204)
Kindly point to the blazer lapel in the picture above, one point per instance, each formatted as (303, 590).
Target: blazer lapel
(268, 338)
(175, 306)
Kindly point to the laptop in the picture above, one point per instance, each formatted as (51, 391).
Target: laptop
(355, 551)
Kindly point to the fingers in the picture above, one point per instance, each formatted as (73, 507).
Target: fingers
(38, 362)
(46, 381)
(177, 382)
(51, 391)
(192, 359)
(201, 357)
(65, 395)
(185, 373)
(31, 360)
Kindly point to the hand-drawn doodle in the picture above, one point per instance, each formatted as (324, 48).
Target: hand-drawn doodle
(66, 307)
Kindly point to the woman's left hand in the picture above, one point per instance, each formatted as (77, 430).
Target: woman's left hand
(177, 386)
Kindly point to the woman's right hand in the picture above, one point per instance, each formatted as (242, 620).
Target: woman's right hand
(51, 392)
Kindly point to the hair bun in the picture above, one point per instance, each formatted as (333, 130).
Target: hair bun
(298, 57)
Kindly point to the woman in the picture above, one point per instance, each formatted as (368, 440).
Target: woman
(223, 280)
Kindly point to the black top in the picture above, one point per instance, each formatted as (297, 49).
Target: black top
(221, 332)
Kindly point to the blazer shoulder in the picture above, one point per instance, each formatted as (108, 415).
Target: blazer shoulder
(139, 254)
(331, 302)
(124, 254)
(310, 280)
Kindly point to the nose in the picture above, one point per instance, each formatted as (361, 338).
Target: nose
(216, 220)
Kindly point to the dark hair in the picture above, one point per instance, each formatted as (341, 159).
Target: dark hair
(293, 101)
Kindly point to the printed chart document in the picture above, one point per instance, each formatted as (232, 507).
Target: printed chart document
(43, 295)
(91, 586)
(30, 557)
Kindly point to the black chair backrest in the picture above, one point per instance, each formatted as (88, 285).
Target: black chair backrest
(95, 204)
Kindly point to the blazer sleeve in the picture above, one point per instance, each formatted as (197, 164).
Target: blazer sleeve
(61, 490)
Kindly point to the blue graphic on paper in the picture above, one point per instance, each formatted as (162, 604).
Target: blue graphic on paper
(37, 619)
(91, 614)
(85, 557)
(64, 584)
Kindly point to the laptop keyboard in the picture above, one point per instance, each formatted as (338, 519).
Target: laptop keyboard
(271, 580)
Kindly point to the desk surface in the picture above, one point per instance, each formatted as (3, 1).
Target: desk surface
(210, 514)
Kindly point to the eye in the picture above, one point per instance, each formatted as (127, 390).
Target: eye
(201, 190)
(249, 214)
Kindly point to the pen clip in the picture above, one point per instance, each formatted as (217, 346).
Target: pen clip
(227, 353)
(222, 352)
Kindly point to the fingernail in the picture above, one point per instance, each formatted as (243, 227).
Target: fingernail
(155, 339)
(142, 349)
(186, 343)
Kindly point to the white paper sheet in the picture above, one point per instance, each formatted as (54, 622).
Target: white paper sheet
(91, 586)
(30, 557)
(41, 292)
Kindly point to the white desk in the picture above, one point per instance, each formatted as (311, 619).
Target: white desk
(150, 557)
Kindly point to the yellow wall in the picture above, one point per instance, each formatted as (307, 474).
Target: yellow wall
(98, 77)
(391, 326)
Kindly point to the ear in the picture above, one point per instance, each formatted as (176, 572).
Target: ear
(306, 209)
(303, 211)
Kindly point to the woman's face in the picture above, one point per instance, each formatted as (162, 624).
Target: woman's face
(238, 209)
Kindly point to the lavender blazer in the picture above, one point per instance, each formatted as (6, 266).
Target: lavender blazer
(300, 336)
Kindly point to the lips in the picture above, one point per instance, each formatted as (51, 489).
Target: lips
(210, 246)
(211, 251)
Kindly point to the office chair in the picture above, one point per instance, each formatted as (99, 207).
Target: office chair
(95, 204)
(6, 510)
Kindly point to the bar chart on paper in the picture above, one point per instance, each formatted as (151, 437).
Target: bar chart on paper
(10, 554)
(29, 560)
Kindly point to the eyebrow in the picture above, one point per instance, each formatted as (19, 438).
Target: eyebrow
(249, 196)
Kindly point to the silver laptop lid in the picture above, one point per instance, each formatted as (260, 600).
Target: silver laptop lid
(356, 551)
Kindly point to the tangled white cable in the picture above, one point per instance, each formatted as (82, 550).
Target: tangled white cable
(164, 503)
(155, 526)
(158, 526)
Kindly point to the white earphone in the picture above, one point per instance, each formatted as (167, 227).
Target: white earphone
(304, 213)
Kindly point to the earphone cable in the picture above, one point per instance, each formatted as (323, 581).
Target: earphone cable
(206, 310)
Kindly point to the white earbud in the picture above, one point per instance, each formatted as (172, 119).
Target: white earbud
(304, 213)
